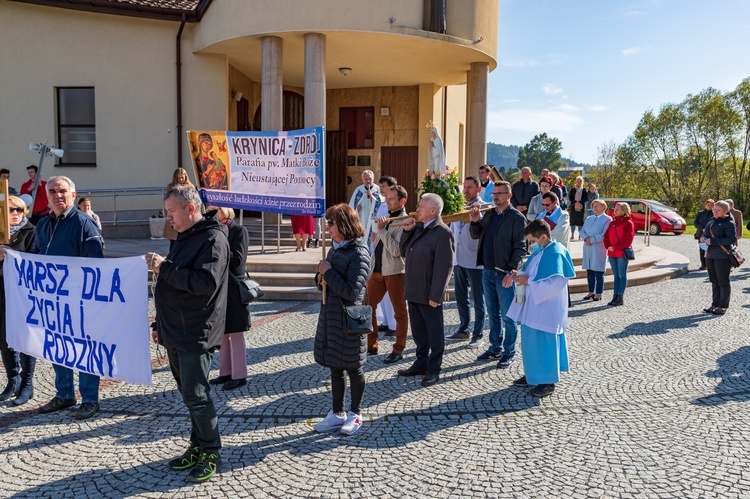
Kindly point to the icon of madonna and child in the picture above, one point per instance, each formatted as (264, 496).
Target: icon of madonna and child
(211, 171)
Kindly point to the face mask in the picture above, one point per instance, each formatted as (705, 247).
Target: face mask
(534, 246)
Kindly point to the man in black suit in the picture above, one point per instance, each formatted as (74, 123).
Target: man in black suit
(427, 247)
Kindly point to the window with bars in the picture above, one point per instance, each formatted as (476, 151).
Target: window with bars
(76, 126)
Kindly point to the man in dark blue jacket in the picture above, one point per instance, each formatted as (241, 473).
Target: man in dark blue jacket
(191, 307)
(502, 245)
(69, 232)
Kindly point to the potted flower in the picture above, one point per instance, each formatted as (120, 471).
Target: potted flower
(445, 185)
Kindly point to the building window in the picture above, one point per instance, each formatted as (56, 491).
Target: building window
(76, 126)
(359, 123)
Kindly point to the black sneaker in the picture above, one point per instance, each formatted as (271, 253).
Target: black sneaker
(543, 390)
(187, 460)
(86, 410)
(57, 404)
(488, 355)
(506, 361)
(372, 351)
(521, 381)
(458, 336)
(207, 466)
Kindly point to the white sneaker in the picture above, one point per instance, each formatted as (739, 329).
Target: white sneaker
(332, 421)
(476, 343)
(352, 425)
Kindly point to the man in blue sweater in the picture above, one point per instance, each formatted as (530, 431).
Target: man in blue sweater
(69, 232)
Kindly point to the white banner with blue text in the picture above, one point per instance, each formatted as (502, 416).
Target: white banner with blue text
(88, 314)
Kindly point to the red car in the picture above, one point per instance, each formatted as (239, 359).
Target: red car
(663, 218)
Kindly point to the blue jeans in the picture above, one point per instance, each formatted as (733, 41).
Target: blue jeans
(596, 281)
(620, 273)
(462, 279)
(88, 384)
(498, 300)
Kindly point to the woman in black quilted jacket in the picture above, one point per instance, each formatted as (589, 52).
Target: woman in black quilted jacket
(719, 231)
(343, 275)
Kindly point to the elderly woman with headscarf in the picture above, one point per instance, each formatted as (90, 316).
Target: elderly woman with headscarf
(594, 252)
(19, 367)
(719, 234)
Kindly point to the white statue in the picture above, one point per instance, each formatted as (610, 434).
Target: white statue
(436, 152)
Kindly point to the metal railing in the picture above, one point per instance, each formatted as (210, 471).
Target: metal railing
(116, 193)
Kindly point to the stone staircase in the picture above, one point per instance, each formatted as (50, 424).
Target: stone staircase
(289, 275)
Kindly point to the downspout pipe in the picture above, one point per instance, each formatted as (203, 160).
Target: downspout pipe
(178, 91)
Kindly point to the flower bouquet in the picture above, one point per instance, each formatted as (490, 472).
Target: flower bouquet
(446, 186)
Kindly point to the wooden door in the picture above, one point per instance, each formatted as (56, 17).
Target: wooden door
(335, 167)
(401, 162)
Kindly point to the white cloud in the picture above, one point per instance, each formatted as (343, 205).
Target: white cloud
(597, 108)
(567, 108)
(631, 51)
(519, 63)
(533, 120)
(551, 89)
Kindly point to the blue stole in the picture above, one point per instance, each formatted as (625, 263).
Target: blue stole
(554, 261)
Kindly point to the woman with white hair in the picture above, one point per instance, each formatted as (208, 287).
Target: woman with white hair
(19, 367)
(594, 252)
(716, 239)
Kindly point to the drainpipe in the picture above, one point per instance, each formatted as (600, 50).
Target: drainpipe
(178, 63)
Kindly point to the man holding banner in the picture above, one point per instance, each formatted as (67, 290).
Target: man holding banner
(191, 307)
(69, 232)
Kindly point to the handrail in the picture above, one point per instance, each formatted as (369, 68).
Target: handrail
(121, 192)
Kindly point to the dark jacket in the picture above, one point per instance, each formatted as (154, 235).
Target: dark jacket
(510, 243)
(620, 235)
(577, 218)
(523, 192)
(720, 232)
(238, 318)
(22, 241)
(701, 220)
(345, 285)
(191, 291)
(428, 258)
(72, 234)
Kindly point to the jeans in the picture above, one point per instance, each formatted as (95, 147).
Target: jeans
(498, 300)
(596, 281)
(620, 273)
(338, 389)
(190, 371)
(462, 279)
(88, 384)
(718, 274)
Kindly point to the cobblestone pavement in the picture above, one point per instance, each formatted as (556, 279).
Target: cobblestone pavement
(657, 404)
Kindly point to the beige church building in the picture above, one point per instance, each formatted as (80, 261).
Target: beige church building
(117, 83)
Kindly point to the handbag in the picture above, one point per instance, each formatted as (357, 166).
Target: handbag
(628, 253)
(736, 258)
(249, 289)
(357, 320)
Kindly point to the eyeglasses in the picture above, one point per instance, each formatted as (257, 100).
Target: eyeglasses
(495, 194)
(17, 210)
(329, 223)
(546, 204)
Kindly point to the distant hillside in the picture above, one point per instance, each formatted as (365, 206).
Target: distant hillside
(506, 157)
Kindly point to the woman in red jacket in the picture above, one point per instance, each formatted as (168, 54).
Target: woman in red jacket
(618, 237)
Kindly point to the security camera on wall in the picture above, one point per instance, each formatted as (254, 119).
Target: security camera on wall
(238, 96)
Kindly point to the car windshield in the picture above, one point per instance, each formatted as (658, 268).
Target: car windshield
(661, 208)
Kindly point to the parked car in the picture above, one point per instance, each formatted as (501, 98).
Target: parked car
(663, 218)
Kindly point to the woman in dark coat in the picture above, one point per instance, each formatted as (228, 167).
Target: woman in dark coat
(342, 275)
(232, 356)
(19, 367)
(719, 231)
(577, 208)
(701, 220)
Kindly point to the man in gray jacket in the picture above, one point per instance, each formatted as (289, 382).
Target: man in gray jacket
(466, 272)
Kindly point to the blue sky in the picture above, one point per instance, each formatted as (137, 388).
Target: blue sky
(585, 71)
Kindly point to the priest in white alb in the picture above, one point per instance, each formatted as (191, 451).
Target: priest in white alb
(542, 310)
(366, 201)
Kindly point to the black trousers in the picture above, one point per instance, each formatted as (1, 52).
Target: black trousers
(718, 274)
(703, 257)
(338, 389)
(428, 331)
(190, 371)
